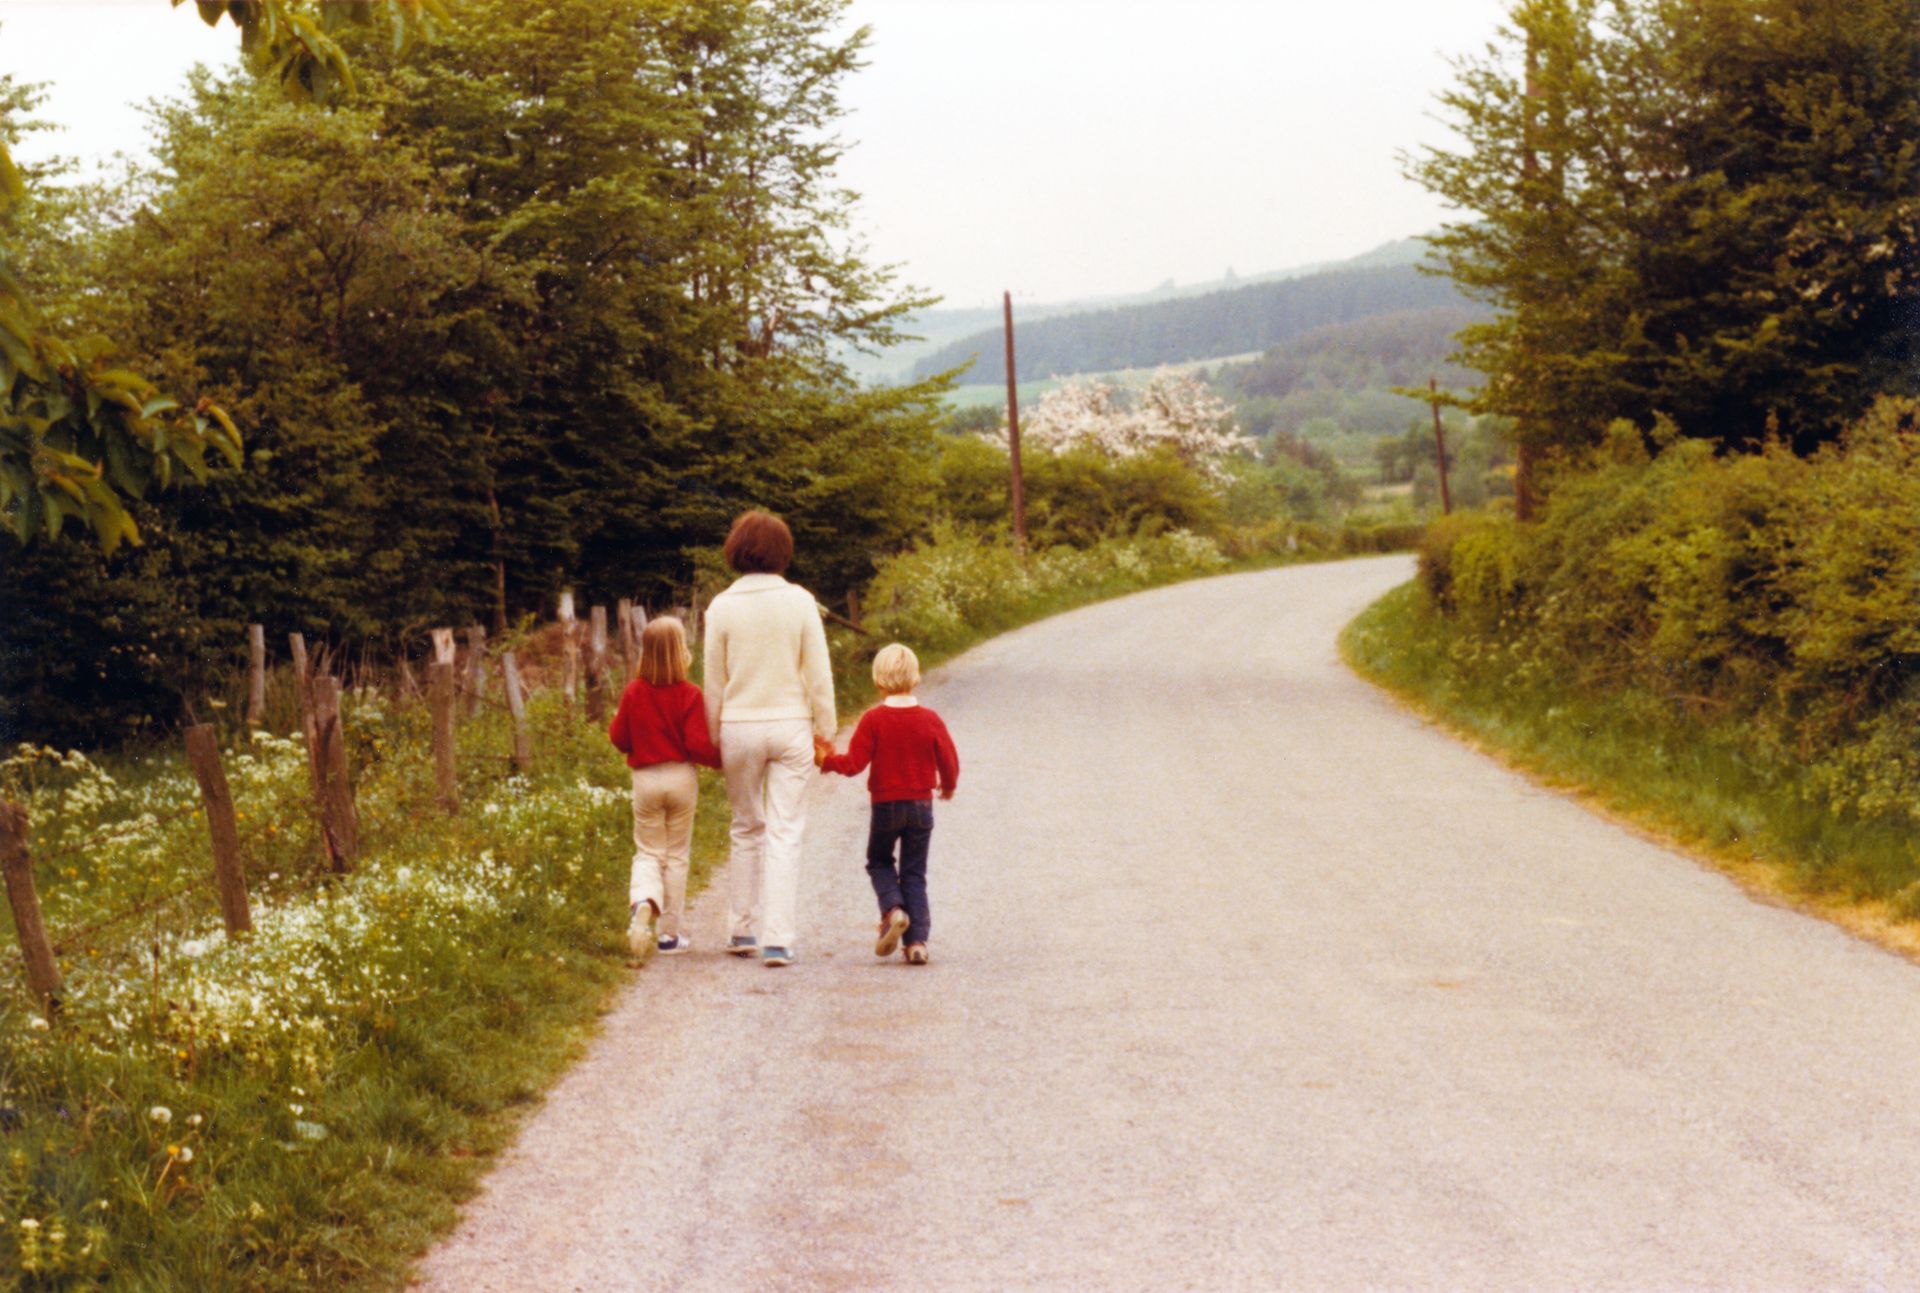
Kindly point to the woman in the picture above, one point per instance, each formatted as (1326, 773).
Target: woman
(769, 691)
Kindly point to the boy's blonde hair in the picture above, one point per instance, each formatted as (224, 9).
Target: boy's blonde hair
(663, 651)
(896, 670)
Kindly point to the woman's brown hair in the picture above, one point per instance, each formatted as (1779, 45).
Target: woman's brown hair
(663, 651)
(759, 544)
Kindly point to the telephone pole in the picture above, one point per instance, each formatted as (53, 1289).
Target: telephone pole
(1440, 448)
(1016, 483)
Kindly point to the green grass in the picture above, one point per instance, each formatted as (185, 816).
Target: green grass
(1700, 783)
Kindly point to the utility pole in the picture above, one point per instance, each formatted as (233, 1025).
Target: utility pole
(1440, 448)
(1016, 485)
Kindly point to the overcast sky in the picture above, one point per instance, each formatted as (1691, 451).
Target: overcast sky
(1059, 148)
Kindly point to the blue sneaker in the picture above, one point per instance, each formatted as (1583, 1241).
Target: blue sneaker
(772, 956)
(671, 944)
(743, 945)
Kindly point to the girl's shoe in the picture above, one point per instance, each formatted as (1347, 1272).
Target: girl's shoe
(743, 945)
(891, 928)
(641, 936)
(775, 956)
(916, 954)
(672, 944)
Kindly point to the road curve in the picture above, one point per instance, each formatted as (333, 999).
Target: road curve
(1244, 978)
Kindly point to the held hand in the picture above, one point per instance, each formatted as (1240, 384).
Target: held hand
(822, 749)
(946, 792)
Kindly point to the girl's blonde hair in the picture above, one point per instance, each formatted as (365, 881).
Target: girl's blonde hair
(663, 651)
(896, 670)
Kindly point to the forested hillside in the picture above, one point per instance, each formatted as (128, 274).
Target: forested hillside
(1200, 327)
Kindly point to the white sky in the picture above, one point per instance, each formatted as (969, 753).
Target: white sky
(1060, 148)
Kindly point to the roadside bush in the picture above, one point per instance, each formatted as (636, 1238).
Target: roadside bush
(1780, 591)
(1435, 551)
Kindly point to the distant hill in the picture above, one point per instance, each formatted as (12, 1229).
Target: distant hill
(1378, 352)
(1182, 328)
(936, 330)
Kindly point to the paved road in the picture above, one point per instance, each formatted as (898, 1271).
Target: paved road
(1243, 979)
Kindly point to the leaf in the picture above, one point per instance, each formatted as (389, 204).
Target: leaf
(210, 11)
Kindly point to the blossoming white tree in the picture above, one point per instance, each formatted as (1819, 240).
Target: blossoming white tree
(1174, 411)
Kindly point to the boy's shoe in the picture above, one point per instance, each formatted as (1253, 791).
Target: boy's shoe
(640, 928)
(672, 944)
(743, 945)
(916, 954)
(772, 956)
(891, 928)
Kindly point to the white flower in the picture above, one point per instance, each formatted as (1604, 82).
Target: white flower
(160, 1115)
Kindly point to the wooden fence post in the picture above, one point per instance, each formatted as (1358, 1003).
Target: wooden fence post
(339, 824)
(517, 707)
(597, 665)
(303, 689)
(570, 647)
(256, 674)
(43, 973)
(629, 646)
(476, 668)
(440, 697)
(203, 753)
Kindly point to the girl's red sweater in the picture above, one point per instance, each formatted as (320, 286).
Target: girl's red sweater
(663, 725)
(909, 748)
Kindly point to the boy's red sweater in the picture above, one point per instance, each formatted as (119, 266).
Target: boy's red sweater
(909, 749)
(663, 725)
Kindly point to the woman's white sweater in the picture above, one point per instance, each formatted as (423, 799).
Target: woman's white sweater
(766, 656)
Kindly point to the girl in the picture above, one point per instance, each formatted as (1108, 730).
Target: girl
(662, 729)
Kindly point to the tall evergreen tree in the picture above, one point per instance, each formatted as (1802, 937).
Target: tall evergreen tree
(1703, 208)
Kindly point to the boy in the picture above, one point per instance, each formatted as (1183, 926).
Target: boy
(912, 755)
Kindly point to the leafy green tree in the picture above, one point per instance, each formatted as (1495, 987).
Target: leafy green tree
(1706, 209)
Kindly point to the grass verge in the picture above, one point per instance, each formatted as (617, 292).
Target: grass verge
(1653, 766)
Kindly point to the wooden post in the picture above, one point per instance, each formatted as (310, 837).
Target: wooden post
(443, 647)
(297, 644)
(570, 648)
(476, 668)
(695, 626)
(203, 753)
(1016, 484)
(597, 665)
(517, 707)
(339, 824)
(256, 675)
(440, 688)
(303, 692)
(623, 625)
(1440, 448)
(43, 973)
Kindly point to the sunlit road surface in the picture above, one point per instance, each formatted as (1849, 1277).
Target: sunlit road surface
(1243, 978)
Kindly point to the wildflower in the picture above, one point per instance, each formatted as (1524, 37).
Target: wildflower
(160, 1115)
(28, 1223)
(194, 1120)
(37, 1023)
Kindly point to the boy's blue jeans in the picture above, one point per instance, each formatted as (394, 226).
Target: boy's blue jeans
(908, 825)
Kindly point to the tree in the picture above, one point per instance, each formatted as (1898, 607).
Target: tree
(1705, 209)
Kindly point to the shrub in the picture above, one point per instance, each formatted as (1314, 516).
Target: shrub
(1779, 592)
